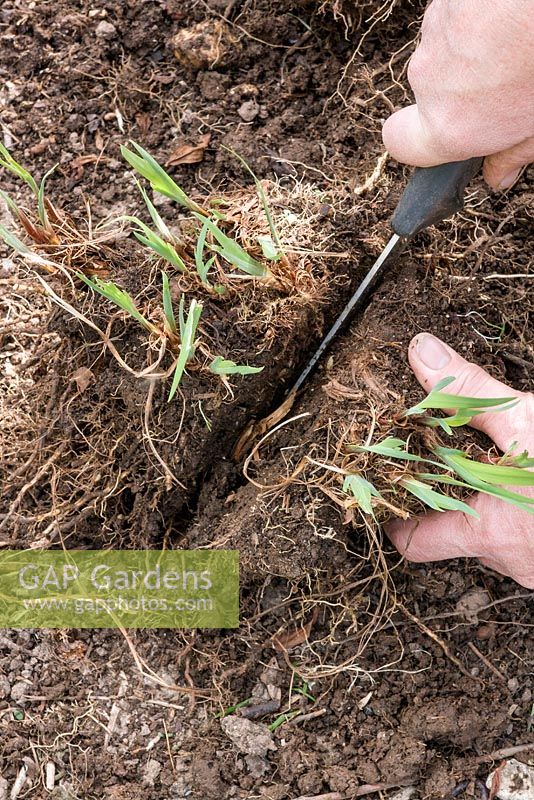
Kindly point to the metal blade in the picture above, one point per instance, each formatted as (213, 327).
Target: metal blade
(355, 303)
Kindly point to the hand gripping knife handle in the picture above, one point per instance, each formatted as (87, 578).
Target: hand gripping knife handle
(433, 194)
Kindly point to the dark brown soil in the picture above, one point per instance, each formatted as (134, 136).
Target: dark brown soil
(400, 696)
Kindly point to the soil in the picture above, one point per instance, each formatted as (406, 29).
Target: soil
(402, 686)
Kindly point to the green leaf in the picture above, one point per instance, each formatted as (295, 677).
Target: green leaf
(120, 297)
(241, 261)
(263, 197)
(164, 231)
(13, 207)
(304, 690)
(524, 503)
(230, 250)
(435, 500)
(443, 383)
(362, 490)
(471, 406)
(160, 181)
(150, 239)
(188, 329)
(181, 315)
(493, 491)
(448, 423)
(231, 709)
(522, 460)
(202, 268)
(268, 248)
(222, 366)
(167, 303)
(163, 249)
(391, 447)
(16, 244)
(463, 466)
(282, 719)
(13, 166)
(41, 205)
(489, 473)
(432, 476)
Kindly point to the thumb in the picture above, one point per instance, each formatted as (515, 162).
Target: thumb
(501, 170)
(432, 360)
(407, 141)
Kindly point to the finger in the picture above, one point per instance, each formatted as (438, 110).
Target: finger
(501, 170)
(436, 536)
(432, 360)
(524, 578)
(440, 536)
(406, 139)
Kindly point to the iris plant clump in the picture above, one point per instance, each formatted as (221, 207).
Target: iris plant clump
(212, 245)
(423, 476)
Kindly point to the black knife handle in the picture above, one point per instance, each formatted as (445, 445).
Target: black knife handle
(433, 194)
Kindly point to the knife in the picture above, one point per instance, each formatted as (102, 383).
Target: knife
(431, 195)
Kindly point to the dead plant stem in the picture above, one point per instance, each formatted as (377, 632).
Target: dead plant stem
(430, 633)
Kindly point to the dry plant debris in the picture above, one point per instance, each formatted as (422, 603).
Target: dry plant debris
(204, 299)
(189, 153)
(383, 474)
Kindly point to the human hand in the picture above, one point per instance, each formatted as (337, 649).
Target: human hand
(503, 537)
(473, 80)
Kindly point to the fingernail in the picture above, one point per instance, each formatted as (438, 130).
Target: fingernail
(509, 179)
(432, 352)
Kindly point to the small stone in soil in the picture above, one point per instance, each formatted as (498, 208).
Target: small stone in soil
(515, 781)
(257, 766)
(470, 604)
(249, 737)
(105, 30)
(408, 793)
(151, 772)
(249, 110)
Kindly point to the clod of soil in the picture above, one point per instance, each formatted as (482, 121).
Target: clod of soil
(449, 722)
(205, 45)
(248, 737)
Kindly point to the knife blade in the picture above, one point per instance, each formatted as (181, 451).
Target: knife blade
(431, 195)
